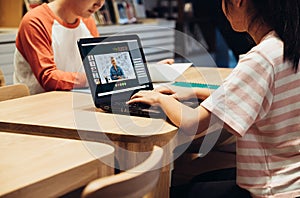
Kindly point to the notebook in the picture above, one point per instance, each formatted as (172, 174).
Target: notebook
(116, 69)
(196, 85)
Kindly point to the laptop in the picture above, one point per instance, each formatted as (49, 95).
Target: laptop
(116, 69)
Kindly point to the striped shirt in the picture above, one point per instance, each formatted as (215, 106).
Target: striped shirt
(260, 101)
(47, 56)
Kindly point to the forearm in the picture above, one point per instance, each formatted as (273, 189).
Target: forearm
(202, 93)
(60, 80)
(184, 93)
(190, 120)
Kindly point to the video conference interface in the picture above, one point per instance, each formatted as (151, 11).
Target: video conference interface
(117, 67)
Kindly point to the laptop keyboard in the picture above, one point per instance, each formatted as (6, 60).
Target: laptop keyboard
(134, 109)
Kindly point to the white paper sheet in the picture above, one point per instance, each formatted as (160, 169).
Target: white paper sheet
(166, 72)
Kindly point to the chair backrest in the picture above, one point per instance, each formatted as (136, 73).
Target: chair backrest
(13, 91)
(2, 79)
(133, 183)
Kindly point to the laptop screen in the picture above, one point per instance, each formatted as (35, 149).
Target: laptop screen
(114, 65)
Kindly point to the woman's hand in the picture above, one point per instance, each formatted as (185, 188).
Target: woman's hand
(153, 97)
(148, 97)
(190, 120)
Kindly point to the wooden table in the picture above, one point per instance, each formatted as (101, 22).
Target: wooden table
(210, 75)
(73, 115)
(35, 166)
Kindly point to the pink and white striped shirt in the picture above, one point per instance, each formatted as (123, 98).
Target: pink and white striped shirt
(260, 101)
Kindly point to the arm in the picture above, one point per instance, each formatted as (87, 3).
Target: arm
(122, 73)
(184, 93)
(190, 120)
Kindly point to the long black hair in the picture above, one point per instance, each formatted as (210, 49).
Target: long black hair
(284, 17)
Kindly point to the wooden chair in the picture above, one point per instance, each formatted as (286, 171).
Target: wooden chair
(2, 79)
(136, 182)
(13, 91)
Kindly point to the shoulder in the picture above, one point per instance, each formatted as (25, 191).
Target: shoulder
(91, 25)
(40, 14)
(37, 21)
(88, 20)
(270, 49)
(36, 25)
(266, 56)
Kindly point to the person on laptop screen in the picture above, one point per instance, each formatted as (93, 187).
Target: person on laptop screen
(116, 72)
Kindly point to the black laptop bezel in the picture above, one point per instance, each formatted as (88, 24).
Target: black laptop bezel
(106, 100)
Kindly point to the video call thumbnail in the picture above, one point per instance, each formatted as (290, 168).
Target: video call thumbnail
(113, 67)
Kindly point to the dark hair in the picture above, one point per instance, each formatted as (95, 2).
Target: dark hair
(283, 16)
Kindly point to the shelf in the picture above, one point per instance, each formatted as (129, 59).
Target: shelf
(11, 13)
(144, 26)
